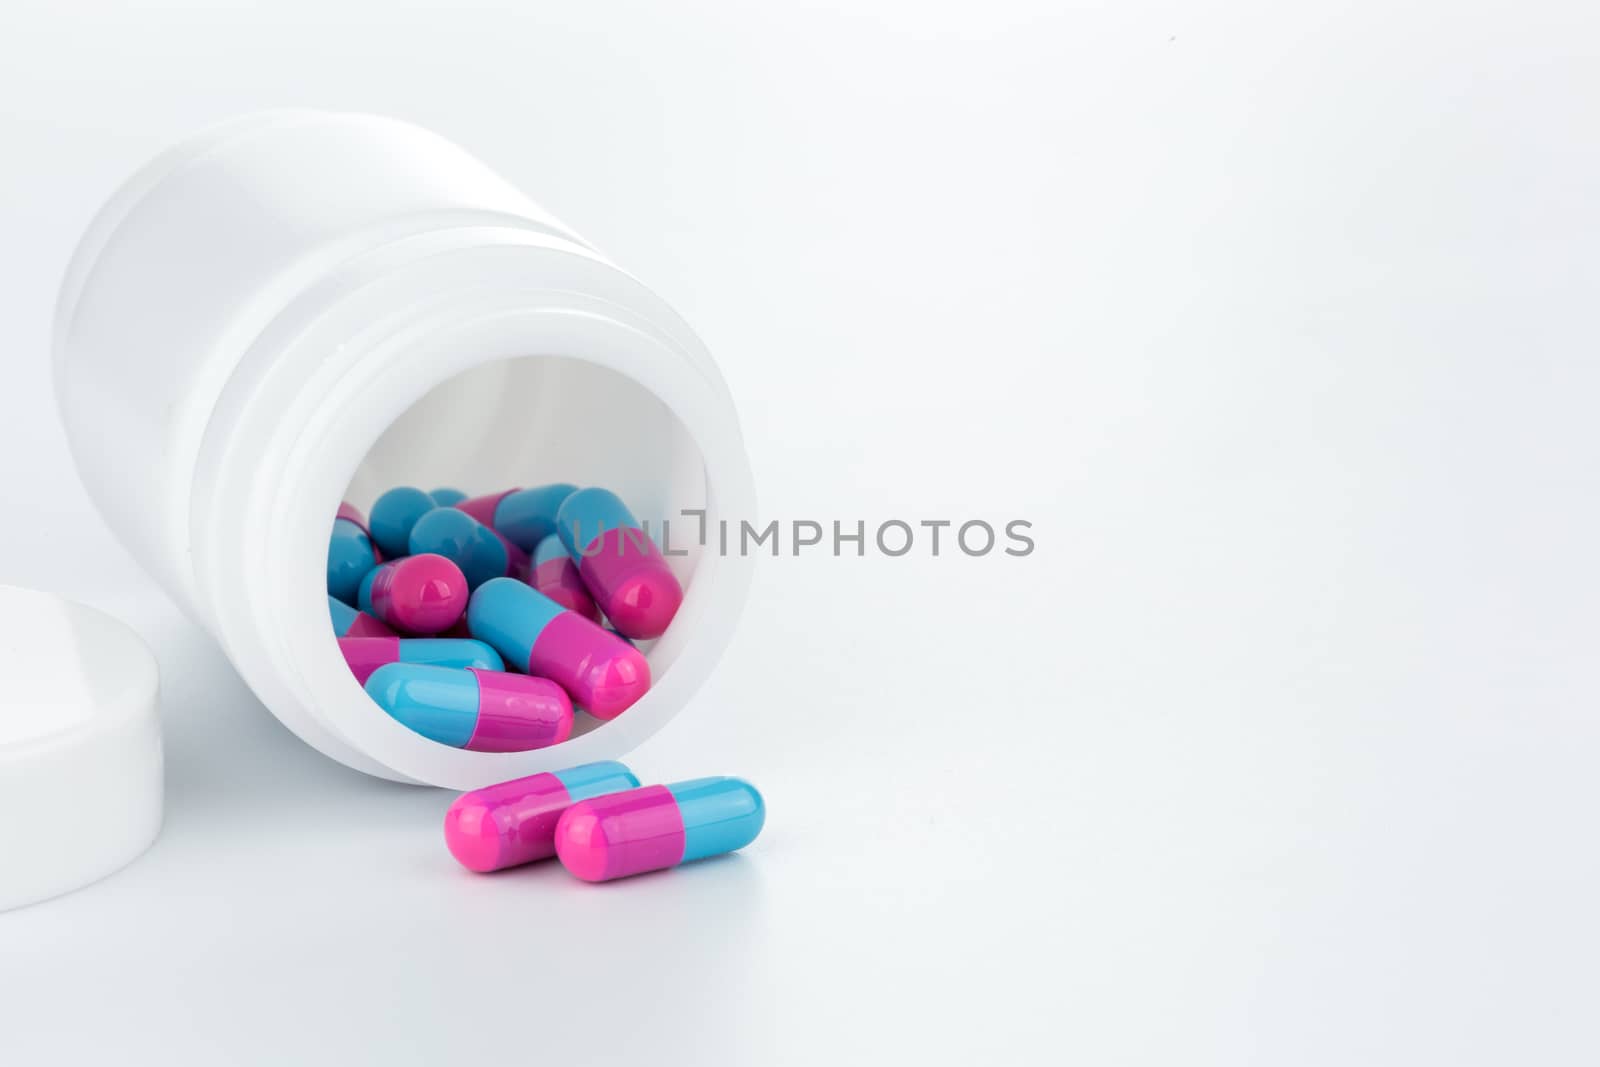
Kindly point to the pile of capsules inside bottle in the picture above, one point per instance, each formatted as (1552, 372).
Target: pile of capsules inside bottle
(488, 624)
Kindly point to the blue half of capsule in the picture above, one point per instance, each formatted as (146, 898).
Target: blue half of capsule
(719, 815)
(438, 703)
(528, 516)
(596, 779)
(350, 557)
(459, 652)
(464, 541)
(344, 617)
(367, 655)
(393, 515)
(550, 548)
(587, 514)
(504, 614)
(342, 614)
(446, 497)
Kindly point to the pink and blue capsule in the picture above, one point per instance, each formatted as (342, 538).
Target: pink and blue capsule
(480, 710)
(447, 498)
(350, 554)
(393, 515)
(555, 574)
(478, 550)
(524, 516)
(513, 823)
(348, 622)
(366, 654)
(621, 567)
(657, 827)
(604, 675)
(418, 595)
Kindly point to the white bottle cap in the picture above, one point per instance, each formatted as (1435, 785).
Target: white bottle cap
(80, 746)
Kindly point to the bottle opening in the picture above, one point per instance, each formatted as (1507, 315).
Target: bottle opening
(522, 424)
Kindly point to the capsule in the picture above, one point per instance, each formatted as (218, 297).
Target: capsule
(603, 674)
(393, 515)
(447, 498)
(657, 827)
(485, 711)
(478, 550)
(513, 823)
(524, 516)
(367, 654)
(416, 594)
(350, 554)
(555, 574)
(620, 565)
(348, 622)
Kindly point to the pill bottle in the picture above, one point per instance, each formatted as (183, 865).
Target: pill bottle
(300, 307)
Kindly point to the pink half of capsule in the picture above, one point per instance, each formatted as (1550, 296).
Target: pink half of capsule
(621, 566)
(517, 713)
(353, 514)
(363, 655)
(631, 583)
(367, 626)
(513, 823)
(604, 674)
(424, 594)
(484, 711)
(555, 574)
(657, 827)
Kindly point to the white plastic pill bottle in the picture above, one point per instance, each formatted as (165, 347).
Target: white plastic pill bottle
(301, 307)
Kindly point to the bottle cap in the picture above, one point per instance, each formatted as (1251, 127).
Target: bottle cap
(80, 746)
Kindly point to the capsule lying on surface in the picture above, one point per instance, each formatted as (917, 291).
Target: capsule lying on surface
(367, 654)
(657, 827)
(604, 675)
(348, 622)
(393, 515)
(555, 574)
(621, 567)
(524, 516)
(485, 711)
(478, 550)
(350, 554)
(446, 497)
(514, 822)
(417, 594)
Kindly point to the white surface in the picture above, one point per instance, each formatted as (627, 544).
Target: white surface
(1276, 319)
(258, 306)
(80, 746)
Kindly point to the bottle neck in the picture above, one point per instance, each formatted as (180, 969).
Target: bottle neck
(469, 358)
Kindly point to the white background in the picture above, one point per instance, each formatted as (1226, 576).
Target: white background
(1277, 320)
